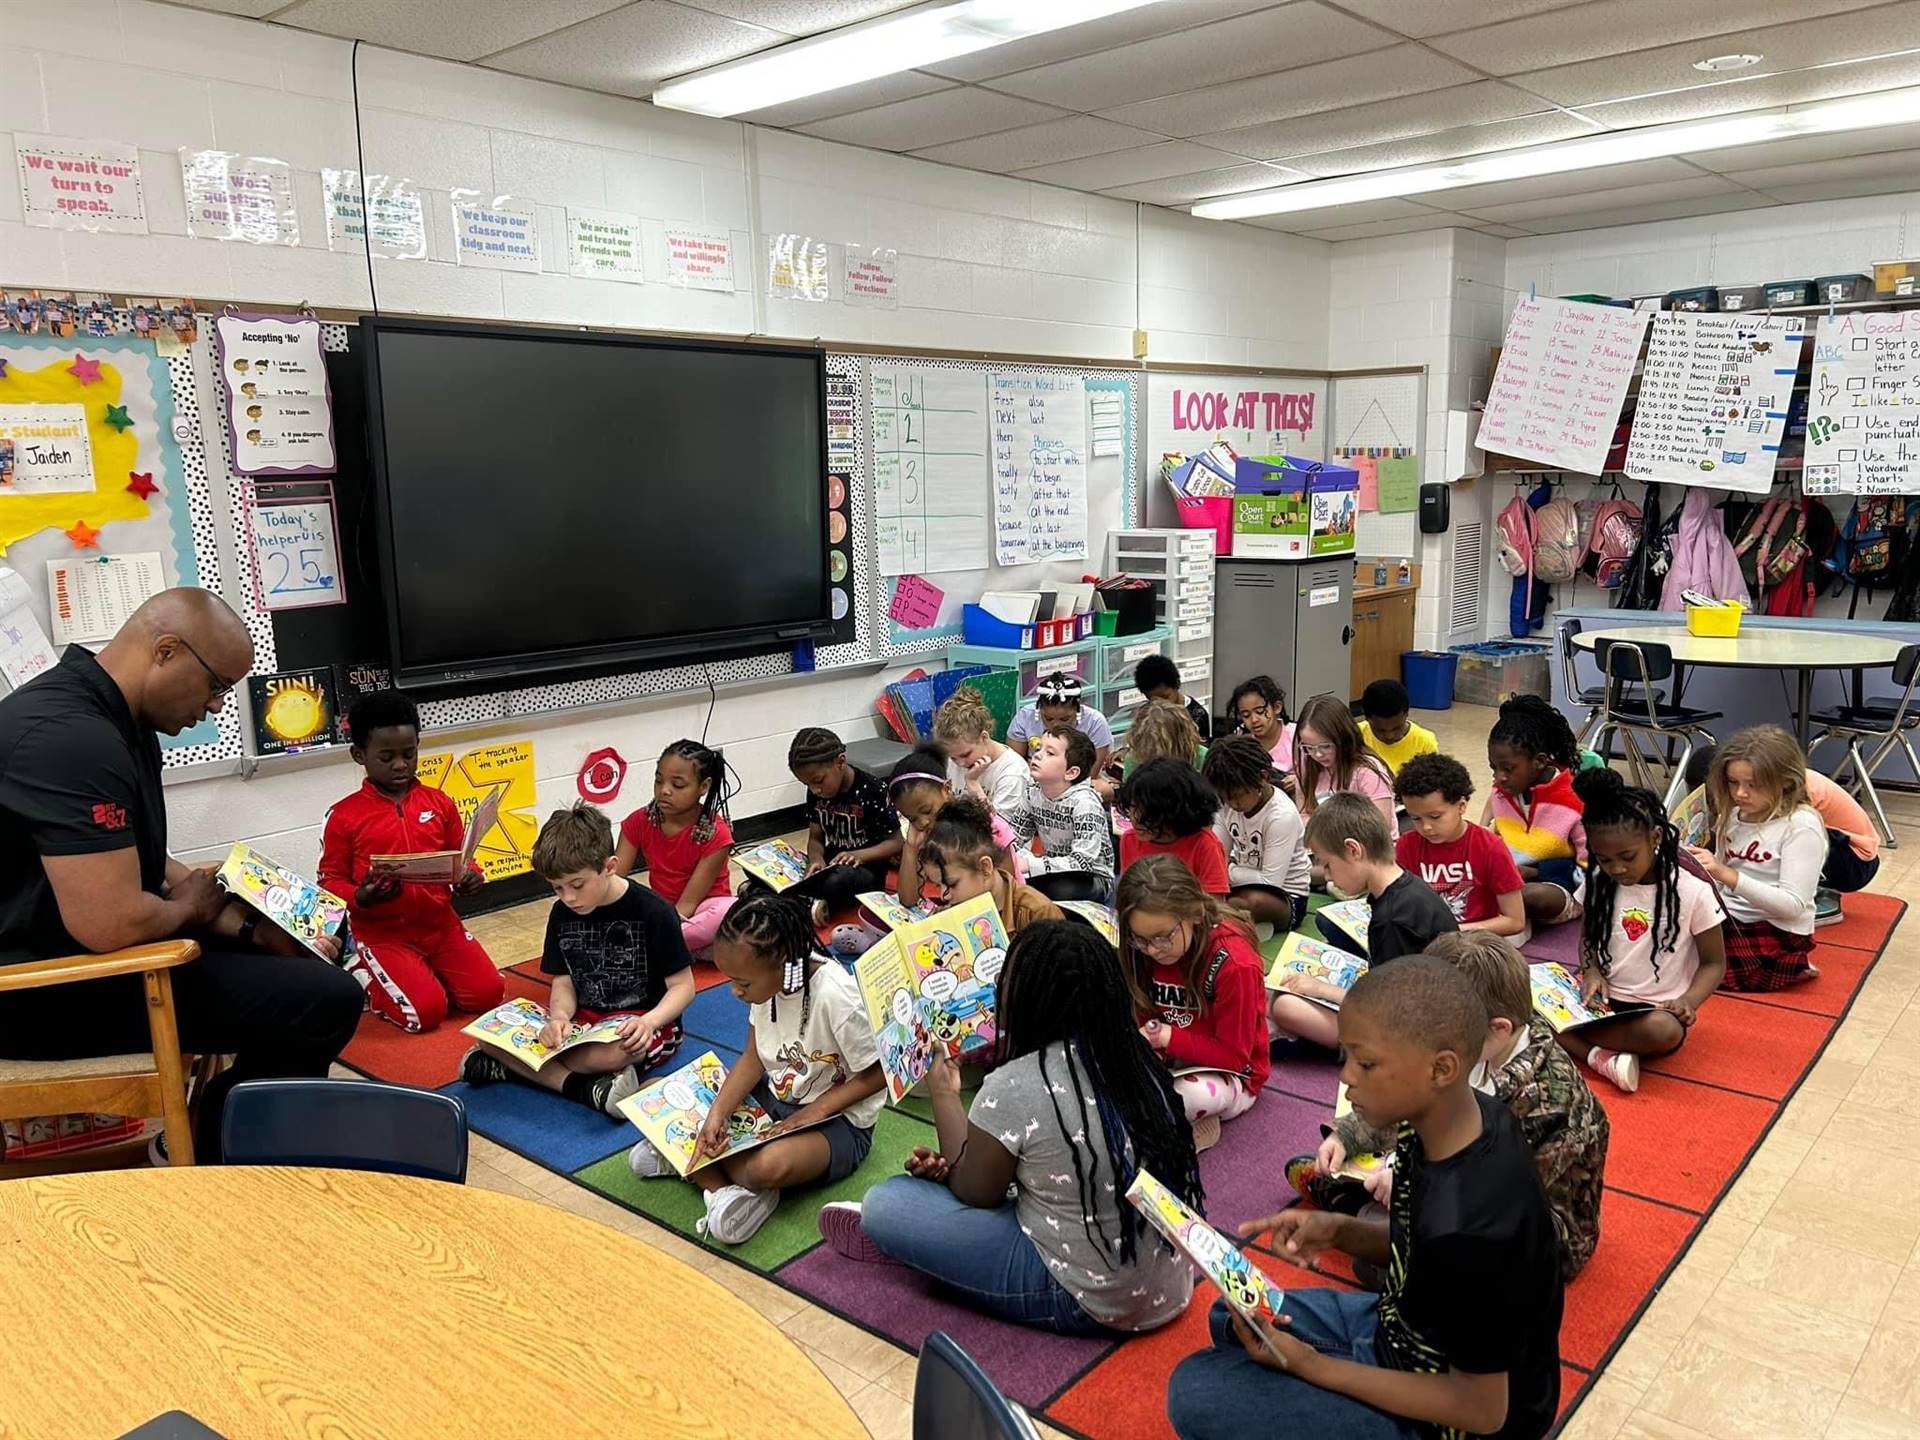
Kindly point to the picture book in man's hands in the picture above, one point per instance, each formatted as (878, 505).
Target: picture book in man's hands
(932, 984)
(1556, 998)
(1248, 1291)
(774, 863)
(294, 903)
(1309, 959)
(1350, 917)
(670, 1111)
(515, 1028)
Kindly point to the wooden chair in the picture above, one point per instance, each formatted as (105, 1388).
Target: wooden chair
(141, 1084)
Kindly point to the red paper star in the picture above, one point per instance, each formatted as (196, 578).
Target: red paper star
(83, 536)
(140, 482)
(84, 370)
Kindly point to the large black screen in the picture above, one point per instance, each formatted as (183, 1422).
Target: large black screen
(559, 502)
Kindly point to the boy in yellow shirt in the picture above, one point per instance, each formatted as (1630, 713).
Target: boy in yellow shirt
(1388, 730)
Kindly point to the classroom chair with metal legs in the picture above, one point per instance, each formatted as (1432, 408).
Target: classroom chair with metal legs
(1636, 714)
(954, 1400)
(1593, 697)
(1871, 732)
(346, 1125)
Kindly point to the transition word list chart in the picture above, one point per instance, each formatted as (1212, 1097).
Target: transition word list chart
(929, 469)
(1563, 375)
(1039, 468)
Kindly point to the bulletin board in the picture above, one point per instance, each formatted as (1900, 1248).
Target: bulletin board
(1112, 499)
(1381, 414)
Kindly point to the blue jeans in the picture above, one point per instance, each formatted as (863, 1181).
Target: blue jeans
(1218, 1393)
(980, 1253)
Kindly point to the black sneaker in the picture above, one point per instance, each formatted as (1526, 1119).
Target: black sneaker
(478, 1067)
(599, 1095)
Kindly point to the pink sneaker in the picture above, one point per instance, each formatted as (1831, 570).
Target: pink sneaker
(840, 1227)
(1622, 1070)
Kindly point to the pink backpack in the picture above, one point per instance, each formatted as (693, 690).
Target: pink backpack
(1556, 541)
(1611, 542)
(1513, 535)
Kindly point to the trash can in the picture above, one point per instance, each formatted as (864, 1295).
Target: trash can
(1428, 676)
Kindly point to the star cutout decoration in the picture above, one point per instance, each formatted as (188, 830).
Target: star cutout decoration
(118, 418)
(140, 482)
(83, 536)
(84, 370)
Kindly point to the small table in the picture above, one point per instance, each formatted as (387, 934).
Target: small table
(1762, 648)
(271, 1301)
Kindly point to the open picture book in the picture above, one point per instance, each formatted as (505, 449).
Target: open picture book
(1101, 917)
(1313, 960)
(293, 902)
(887, 913)
(1693, 819)
(445, 867)
(1249, 1292)
(669, 1111)
(515, 1028)
(774, 863)
(1556, 998)
(931, 984)
(1350, 918)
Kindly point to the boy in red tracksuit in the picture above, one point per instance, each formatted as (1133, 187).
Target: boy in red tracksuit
(413, 955)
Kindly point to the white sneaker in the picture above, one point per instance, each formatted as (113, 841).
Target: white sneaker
(1206, 1133)
(646, 1162)
(157, 1149)
(841, 1228)
(820, 913)
(626, 1083)
(735, 1213)
(1622, 1070)
(1263, 930)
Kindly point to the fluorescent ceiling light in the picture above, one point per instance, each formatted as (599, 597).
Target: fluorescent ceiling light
(887, 46)
(1861, 112)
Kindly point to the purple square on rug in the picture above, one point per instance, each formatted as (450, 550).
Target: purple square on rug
(1555, 942)
(1302, 1071)
(1245, 1174)
(1030, 1365)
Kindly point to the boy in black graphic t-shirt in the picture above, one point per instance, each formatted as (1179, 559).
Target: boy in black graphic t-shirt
(616, 951)
(853, 833)
(1464, 1338)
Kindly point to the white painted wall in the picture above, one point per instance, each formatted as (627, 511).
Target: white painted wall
(987, 264)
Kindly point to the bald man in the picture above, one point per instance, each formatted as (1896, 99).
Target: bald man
(84, 865)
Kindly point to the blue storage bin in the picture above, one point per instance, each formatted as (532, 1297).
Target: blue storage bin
(982, 627)
(1428, 676)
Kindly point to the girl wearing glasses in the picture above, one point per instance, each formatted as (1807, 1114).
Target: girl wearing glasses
(1329, 754)
(1198, 985)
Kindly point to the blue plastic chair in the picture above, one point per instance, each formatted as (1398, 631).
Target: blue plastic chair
(347, 1125)
(954, 1400)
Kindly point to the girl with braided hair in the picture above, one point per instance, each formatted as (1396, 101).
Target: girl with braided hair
(1650, 940)
(681, 839)
(1077, 1107)
(810, 1062)
(1534, 806)
(853, 834)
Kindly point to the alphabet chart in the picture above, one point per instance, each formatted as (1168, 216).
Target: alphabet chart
(1863, 415)
(930, 469)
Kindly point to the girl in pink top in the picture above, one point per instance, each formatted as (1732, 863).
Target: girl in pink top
(1329, 754)
(1261, 708)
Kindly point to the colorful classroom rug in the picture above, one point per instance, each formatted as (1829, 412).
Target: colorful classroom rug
(1722, 1092)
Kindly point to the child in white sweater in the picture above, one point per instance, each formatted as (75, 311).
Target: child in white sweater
(1769, 847)
(1070, 819)
(1262, 832)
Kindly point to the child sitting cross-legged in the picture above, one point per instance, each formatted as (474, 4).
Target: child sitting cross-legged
(1534, 808)
(1063, 812)
(1077, 1105)
(962, 855)
(412, 953)
(1265, 839)
(1523, 1067)
(1197, 984)
(1388, 729)
(1349, 836)
(1171, 812)
(918, 787)
(1464, 1340)
(682, 839)
(1651, 945)
(1330, 757)
(852, 831)
(614, 948)
(810, 1062)
(1464, 863)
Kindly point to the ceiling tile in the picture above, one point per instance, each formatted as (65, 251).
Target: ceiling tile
(1646, 214)
(256, 9)
(1436, 17)
(1772, 178)
(1502, 232)
(1303, 33)
(1129, 167)
(957, 114)
(1760, 92)
(1378, 75)
(1381, 120)
(454, 29)
(1122, 29)
(1820, 190)
(1032, 145)
(1437, 220)
(1184, 189)
(800, 17)
(1605, 28)
(1782, 48)
(844, 101)
(1811, 149)
(1476, 198)
(1450, 144)
(634, 48)
(1528, 212)
(1301, 221)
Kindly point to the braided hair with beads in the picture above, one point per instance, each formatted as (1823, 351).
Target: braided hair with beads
(710, 768)
(781, 930)
(1061, 983)
(1612, 804)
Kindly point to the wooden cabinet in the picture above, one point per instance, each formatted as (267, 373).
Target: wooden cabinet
(1382, 633)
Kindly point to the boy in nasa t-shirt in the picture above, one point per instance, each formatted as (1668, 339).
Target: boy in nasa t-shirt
(1467, 865)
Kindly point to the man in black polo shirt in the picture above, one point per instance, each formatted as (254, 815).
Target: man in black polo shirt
(84, 865)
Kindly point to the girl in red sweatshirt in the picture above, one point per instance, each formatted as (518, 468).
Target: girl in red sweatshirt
(1198, 986)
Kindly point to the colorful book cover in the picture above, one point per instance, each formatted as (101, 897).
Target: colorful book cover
(294, 903)
(1310, 958)
(292, 710)
(446, 867)
(350, 682)
(515, 1028)
(888, 913)
(1692, 818)
(1101, 917)
(774, 863)
(1350, 917)
(932, 983)
(1556, 998)
(670, 1111)
(1248, 1291)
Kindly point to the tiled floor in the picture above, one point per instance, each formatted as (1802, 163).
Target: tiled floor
(1796, 1312)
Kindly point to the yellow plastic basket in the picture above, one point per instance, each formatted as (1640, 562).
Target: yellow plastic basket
(1714, 621)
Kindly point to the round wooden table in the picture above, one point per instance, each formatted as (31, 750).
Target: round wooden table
(1780, 648)
(268, 1301)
